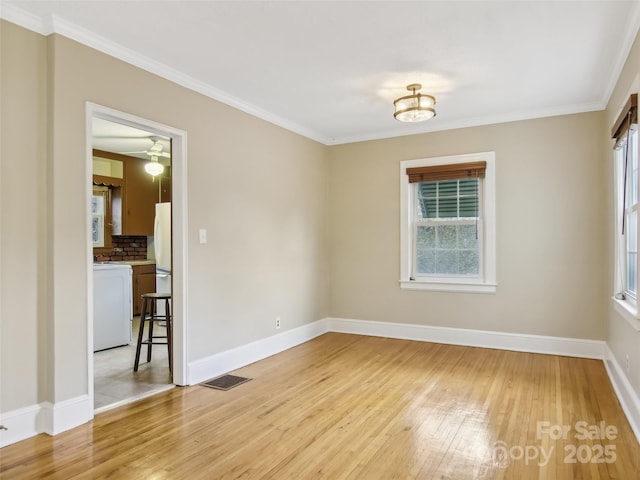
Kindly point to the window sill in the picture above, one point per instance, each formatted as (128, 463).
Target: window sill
(627, 312)
(448, 286)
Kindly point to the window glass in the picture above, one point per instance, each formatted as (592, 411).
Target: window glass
(631, 234)
(633, 166)
(446, 241)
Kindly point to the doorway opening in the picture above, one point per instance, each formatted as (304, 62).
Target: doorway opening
(136, 169)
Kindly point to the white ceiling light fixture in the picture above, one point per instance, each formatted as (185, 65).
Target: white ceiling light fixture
(416, 107)
(154, 168)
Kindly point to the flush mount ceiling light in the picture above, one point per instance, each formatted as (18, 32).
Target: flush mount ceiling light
(415, 107)
(154, 167)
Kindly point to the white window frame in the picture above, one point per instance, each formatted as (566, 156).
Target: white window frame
(626, 306)
(485, 282)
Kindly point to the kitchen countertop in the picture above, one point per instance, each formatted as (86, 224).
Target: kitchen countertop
(99, 267)
(127, 262)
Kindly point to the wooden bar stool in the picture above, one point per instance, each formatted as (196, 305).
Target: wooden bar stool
(149, 314)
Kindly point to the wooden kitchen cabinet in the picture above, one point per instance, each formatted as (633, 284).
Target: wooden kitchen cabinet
(141, 193)
(144, 281)
(134, 205)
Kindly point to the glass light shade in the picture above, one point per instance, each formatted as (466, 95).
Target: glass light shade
(414, 108)
(154, 168)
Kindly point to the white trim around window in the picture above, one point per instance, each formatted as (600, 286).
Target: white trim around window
(485, 282)
(624, 299)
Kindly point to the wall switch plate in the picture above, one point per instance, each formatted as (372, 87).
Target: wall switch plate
(203, 235)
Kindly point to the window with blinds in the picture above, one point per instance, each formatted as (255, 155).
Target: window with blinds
(446, 242)
(625, 135)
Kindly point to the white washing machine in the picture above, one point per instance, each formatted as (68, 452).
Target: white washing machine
(112, 305)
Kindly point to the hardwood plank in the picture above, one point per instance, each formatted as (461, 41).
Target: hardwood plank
(354, 407)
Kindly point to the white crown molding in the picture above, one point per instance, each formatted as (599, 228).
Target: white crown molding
(67, 29)
(631, 31)
(434, 126)
(104, 45)
(27, 20)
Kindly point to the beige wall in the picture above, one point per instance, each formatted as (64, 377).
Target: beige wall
(550, 267)
(260, 191)
(22, 218)
(621, 337)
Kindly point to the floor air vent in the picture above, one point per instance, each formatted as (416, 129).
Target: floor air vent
(225, 382)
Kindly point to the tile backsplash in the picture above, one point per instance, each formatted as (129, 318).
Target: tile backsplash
(125, 248)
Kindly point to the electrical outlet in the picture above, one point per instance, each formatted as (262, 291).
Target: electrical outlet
(277, 322)
(628, 363)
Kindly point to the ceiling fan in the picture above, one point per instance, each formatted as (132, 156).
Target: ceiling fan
(156, 149)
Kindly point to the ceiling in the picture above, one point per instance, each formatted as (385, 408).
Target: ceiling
(330, 70)
(118, 138)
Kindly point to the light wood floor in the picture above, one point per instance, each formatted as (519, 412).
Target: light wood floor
(355, 407)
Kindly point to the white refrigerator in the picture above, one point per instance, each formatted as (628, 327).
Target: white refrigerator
(162, 247)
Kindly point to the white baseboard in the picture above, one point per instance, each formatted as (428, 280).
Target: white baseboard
(65, 415)
(233, 359)
(20, 424)
(44, 418)
(571, 347)
(627, 396)
(53, 419)
(243, 355)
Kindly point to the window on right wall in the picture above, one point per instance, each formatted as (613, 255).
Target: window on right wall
(448, 223)
(627, 177)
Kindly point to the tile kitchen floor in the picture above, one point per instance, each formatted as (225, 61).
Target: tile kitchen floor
(114, 380)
